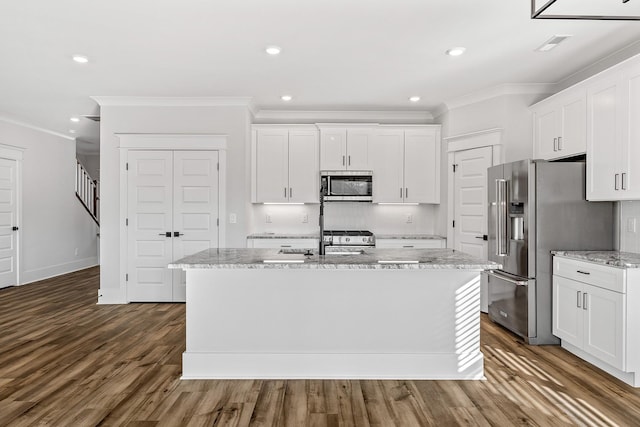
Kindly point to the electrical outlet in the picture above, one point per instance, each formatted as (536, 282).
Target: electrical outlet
(76, 251)
(631, 225)
(233, 218)
(267, 219)
(305, 218)
(409, 218)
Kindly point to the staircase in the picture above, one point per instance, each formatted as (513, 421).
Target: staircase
(88, 192)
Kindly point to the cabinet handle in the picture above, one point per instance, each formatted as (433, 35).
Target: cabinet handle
(290, 192)
(285, 192)
(584, 300)
(285, 246)
(349, 162)
(555, 144)
(406, 193)
(616, 181)
(559, 143)
(622, 181)
(583, 272)
(407, 246)
(343, 157)
(579, 299)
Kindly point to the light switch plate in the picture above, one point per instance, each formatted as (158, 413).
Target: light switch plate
(631, 225)
(233, 218)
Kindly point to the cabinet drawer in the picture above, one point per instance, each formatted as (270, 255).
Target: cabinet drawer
(410, 243)
(283, 243)
(610, 278)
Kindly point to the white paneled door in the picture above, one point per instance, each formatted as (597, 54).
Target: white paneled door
(172, 212)
(8, 221)
(470, 200)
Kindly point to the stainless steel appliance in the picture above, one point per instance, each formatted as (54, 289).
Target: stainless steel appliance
(345, 239)
(535, 207)
(347, 186)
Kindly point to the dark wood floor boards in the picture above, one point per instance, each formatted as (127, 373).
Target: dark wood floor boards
(65, 361)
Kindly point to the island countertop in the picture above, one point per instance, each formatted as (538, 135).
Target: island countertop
(370, 259)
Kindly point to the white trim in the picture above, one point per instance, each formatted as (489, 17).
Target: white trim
(112, 296)
(428, 366)
(168, 141)
(500, 90)
(169, 101)
(31, 276)
(16, 154)
(346, 115)
(37, 128)
(630, 378)
(468, 141)
(11, 152)
(311, 127)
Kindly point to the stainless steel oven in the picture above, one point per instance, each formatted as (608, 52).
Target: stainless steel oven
(347, 186)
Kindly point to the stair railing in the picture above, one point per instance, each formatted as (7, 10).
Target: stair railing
(88, 192)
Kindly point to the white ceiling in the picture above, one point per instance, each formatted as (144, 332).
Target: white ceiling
(336, 54)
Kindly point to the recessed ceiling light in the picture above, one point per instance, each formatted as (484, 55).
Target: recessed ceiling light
(286, 97)
(74, 119)
(456, 51)
(80, 59)
(552, 42)
(72, 131)
(273, 50)
(414, 99)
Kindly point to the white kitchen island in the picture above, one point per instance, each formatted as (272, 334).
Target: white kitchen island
(386, 313)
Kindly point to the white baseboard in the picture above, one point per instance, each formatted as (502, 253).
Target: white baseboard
(31, 276)
(418, 366)
(112, 296)
(628, 377)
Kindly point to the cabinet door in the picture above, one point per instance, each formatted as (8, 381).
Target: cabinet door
(573, 123)
(388, 172)
(631, 137)
(358, 144)
(304, 173)
(567, 318)
(422, 166)
(546, 132)
(604, 105)
(272, 180)
(333, 149)
(604, 328)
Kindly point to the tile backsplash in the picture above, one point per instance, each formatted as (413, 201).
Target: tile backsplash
(630, 226)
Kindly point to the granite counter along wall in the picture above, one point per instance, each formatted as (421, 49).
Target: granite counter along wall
(388, 219)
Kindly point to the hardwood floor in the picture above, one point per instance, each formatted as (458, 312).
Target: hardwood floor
(65, 361)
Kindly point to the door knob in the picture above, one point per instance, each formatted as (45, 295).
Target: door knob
(14, 228)
(177, 234)
(483, 237)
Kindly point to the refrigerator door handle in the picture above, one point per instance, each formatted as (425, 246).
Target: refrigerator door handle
(507, 279)
(501, 217)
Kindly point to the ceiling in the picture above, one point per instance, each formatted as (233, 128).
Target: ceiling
(336, 54)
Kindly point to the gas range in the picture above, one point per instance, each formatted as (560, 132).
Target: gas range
(362, 238)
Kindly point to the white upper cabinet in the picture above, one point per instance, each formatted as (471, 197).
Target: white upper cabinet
(285, 165)
(560, 125)
(345, 148)
(613, 132)
(406, 165)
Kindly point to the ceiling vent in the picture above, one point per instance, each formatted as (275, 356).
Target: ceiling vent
(95, 118)
(552, 42)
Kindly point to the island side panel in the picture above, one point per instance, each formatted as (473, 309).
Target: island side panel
(333, 323)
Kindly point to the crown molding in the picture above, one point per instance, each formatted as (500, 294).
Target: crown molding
(320, 116)
(37, 128)
(171, 101)
(499, 90)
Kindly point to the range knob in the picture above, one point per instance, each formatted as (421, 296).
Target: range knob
(347, 239)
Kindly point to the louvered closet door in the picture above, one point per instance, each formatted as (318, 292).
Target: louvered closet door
(195, 208)
(150, 214)
(8, 236)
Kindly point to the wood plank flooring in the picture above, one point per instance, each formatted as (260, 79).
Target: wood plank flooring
(65, 361)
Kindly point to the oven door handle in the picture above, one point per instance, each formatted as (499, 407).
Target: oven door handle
(508, 279)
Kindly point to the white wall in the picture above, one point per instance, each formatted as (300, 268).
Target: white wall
(91, 163)
(54, 223)
(232, 121)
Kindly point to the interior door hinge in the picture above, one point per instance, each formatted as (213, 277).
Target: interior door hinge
(218, 166)
(218, 222)
(126, 277)
(126, 167)
(126, 222)
(455, 167)
(454, 224)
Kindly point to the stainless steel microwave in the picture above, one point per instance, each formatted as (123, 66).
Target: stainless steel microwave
(347, 186)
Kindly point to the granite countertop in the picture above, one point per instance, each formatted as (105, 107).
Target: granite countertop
(370, 259)
(612, 258)
(282, 236)
(410, 236)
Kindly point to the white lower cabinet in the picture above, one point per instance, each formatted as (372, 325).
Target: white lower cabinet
(410, 243)
(590, 315)
(283, 243)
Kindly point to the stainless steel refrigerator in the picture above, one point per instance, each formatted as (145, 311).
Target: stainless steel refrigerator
(535, 207)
